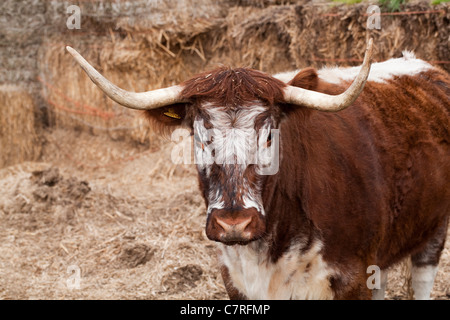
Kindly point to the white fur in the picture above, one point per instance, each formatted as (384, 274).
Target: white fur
(237, 136)
(422, 281)
(252, 203)
(295, 275)
(235, 142)
(379, 71)
(203, 158)
(286, 76)
(252, 198)
(215, 201)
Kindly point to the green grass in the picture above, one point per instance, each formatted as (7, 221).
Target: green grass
(439, 1)
(391, 5)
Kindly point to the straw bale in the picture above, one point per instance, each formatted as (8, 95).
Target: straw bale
(19, 140)
(21, 25)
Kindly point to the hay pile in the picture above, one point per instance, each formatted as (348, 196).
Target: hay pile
(18, 137)
(164, 43)
(135, 229)
(21, 31)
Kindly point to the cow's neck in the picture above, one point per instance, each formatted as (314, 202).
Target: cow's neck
(288, 262)
(288, 222)
(296, 209)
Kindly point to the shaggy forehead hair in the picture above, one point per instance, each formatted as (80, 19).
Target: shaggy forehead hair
(234, 87)
(230, 89)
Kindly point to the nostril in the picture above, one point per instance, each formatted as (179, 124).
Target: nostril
(234, 225)
(225, 226)
(241, 226)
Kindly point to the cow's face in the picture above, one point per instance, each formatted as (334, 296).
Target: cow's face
(236, 146)
(235, 149)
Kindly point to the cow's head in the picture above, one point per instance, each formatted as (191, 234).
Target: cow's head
(233, 115)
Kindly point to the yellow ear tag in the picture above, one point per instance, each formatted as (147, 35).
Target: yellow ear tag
(170, 113)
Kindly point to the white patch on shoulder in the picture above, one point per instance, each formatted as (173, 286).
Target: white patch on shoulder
(295, 275)
(379, 71)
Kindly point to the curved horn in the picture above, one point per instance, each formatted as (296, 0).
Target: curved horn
(325, 102)
(134, 100)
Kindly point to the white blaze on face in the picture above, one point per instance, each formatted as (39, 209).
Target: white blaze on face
(232, 144)
(215, 201)
(252, 198)
(237, 137)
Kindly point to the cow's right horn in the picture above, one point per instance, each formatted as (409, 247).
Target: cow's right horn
(134, 100)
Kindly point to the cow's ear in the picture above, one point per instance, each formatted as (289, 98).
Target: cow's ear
(166, 119)
(306, 79)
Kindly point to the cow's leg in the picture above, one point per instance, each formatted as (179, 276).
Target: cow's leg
(425, 264)
(352, 284)
(378, 294)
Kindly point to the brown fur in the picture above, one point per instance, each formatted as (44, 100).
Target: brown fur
(372, 182)
(374, 178)
(233, 293)
(223, 86)
(234, 87)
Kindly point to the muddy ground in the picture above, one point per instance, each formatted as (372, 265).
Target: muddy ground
(103, 219)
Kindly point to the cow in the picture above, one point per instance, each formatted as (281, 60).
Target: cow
(362, 182)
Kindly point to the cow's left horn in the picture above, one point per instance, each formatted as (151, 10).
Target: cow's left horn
(325, 102)
(134, 100)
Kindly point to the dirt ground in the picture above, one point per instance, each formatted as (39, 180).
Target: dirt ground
(104, 219)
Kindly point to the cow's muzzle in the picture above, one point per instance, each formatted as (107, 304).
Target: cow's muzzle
(235, 226)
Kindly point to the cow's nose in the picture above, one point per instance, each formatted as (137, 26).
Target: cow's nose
(233, 225)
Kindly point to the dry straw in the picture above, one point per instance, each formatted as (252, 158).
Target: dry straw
(168, 43)
(18, 138)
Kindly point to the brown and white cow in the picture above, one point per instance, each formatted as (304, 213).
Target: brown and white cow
(366, 186)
